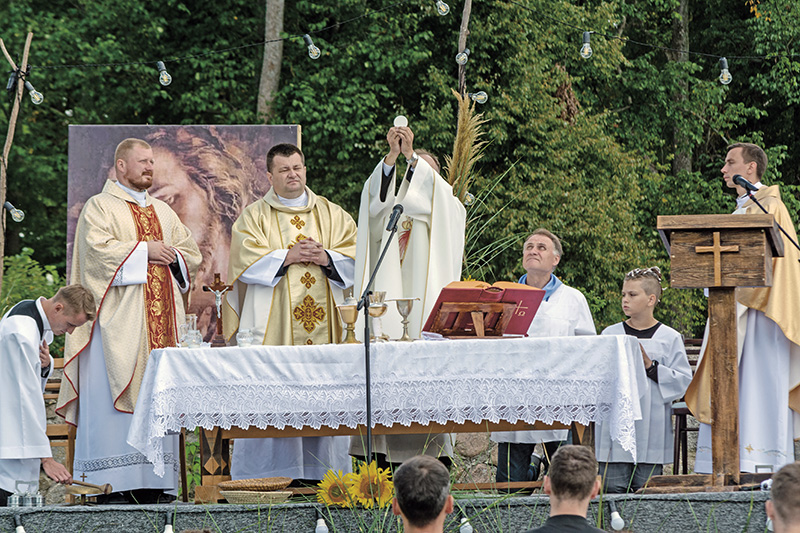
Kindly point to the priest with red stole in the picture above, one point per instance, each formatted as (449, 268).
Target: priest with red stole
(136, 258)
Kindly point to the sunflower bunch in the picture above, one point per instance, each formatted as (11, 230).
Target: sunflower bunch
(370, 486)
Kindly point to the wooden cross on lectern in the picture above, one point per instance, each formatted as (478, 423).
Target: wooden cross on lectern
(717, 250)
(218, 288)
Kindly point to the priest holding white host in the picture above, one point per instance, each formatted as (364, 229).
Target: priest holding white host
(425, 255)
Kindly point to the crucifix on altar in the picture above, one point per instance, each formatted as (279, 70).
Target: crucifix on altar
(720, 253)
(218, 288)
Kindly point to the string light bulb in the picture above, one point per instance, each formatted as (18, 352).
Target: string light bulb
(313, 51)
(163, 76)
(586, 49)
(724, 74)
(442, 8)
(462, 57)
(36, 96)
(17, 215)
(480, 97)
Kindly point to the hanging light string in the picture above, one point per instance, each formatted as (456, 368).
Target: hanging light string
(298, 36)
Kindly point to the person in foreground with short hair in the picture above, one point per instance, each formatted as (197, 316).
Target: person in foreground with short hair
(422, 494)
(571, 482)
(668, 372)
(26, 332)
(783, 506)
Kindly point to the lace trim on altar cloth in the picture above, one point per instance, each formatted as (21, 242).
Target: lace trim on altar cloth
(121, 461)
(459, 400)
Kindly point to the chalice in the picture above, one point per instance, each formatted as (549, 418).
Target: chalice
(404, 306)
(378, 308)
(348, 312)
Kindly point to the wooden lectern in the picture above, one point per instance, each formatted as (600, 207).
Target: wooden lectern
(722, 252)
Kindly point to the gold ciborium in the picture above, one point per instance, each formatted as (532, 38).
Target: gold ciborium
(378, 308)
(348, 312)
(404, 306)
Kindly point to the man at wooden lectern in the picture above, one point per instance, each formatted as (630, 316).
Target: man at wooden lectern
(768, 338)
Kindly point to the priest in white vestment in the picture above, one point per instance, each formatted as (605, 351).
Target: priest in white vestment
(137, 258)
(424, 256)
(564, 312)
(292, 254)
(768, 340)
(26, 332)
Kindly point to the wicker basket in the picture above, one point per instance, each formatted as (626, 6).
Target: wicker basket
(255, 497)
(262, 484)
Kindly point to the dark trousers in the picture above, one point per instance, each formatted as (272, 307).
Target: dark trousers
(516, 462)
(619, 478)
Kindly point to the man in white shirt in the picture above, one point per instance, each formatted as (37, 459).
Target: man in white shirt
(26, 332)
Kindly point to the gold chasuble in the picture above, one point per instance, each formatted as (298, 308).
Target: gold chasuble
(778, 303)
(301, 307)
(132, 319)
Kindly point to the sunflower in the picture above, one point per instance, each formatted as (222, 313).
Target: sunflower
(333, 491)
(371, 485)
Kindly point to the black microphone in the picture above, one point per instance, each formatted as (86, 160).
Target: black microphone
(397, 210)
(744, 184)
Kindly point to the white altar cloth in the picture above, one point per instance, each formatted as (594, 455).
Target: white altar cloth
(557, 379)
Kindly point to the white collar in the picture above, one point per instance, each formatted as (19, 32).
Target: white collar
(139, 196)
(48, 332)
(300, 201)
(740, 201)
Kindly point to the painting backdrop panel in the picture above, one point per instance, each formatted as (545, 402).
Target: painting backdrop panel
(207, 174)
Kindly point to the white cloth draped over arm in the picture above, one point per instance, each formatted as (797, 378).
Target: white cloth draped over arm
(674, 372)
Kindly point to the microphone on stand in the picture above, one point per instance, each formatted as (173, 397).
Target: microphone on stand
(750, 188)
(744, 184)
(397, 210)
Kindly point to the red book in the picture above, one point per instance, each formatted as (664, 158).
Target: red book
(525, 298)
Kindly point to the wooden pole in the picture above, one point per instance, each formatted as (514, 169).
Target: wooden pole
(723, 349)
(12, 126)
(462, 43)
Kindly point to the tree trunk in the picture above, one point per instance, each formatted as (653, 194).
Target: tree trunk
(682, 162)
(273, 55)
(462, 43)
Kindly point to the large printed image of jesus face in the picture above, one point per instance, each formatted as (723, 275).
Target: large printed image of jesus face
(207, 181)
(206, 174)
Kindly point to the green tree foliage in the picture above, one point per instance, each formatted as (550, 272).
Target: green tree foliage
(582, 147)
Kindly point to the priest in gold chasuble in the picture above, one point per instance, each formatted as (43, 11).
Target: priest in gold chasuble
(292, 254)
(136, 258)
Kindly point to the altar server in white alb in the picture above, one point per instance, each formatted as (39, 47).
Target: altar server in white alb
(26, 332)
(425, 255)
(563, 312)
(668, 372)
(136, 257)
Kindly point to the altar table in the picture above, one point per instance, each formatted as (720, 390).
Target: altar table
(421, 387)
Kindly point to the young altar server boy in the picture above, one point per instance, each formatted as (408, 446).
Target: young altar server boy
(668, 376)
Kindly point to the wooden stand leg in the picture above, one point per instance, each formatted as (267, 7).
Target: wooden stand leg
(214, 465)
(722, 346)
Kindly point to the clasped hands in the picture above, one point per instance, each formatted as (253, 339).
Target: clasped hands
(307, 251)
(159, 253)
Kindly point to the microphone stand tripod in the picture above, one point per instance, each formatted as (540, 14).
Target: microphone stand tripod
(364, 302)
(752, 197)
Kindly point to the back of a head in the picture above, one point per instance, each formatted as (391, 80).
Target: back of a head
(573, 472)
(421, 486)
(77, 299)
(785, 495)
